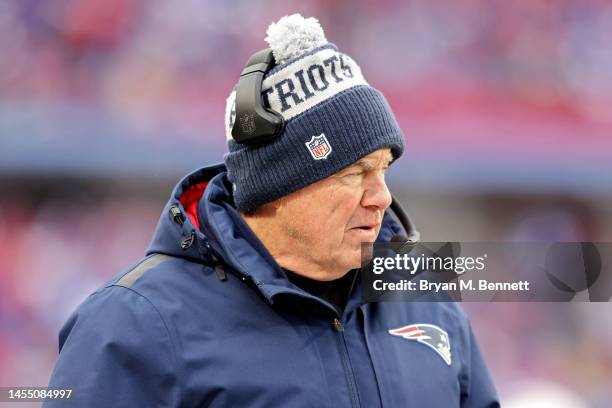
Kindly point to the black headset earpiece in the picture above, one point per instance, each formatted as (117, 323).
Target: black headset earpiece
(254, 122)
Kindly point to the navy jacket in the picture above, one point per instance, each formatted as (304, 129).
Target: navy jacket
(208, 319)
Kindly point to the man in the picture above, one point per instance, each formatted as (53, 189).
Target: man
(249, 295)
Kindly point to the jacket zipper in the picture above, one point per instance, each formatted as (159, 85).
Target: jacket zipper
(346, 365)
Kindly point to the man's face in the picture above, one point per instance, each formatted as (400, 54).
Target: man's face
(326, 222)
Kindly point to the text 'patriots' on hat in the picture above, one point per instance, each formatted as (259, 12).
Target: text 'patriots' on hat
(333, 117)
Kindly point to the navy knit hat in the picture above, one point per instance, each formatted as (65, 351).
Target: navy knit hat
(333, 117)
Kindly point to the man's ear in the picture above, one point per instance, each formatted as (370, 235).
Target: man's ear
(265, 210)
(278, 203)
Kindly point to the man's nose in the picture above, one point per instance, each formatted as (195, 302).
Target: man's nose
(377, 193)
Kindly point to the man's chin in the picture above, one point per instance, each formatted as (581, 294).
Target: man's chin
(352, 256)
(355, 260)
(366, 253)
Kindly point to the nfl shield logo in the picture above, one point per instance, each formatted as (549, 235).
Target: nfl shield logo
(319, 147)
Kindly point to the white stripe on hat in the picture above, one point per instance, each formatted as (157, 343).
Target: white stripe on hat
(304, 84)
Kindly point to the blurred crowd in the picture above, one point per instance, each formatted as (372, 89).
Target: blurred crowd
(52, 255)
(472, 79)
(134, 57)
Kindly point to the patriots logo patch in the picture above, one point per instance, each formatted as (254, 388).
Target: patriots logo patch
(429, 335)
(319, 147)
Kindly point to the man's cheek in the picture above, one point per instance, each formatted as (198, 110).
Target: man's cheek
(348, 209)
(341, 195)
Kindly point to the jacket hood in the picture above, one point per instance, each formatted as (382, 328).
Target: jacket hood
(201, 223)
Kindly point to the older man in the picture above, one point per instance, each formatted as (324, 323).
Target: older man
(249, 295)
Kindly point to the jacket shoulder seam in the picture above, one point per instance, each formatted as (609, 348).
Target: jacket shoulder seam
(129, 278)
(168, 332)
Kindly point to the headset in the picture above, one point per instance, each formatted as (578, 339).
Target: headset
(255, 123)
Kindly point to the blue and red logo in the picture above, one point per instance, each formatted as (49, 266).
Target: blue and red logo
(428, 334)
(319, 147)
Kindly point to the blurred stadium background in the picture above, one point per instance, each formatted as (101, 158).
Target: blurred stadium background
(506, 107)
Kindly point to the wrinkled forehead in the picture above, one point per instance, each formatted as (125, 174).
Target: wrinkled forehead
(379, 158)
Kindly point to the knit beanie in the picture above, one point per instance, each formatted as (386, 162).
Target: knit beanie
(333, 117)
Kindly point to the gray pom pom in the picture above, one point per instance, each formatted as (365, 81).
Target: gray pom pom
(293, 35)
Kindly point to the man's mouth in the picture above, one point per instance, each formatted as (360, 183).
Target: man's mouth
(365, 228)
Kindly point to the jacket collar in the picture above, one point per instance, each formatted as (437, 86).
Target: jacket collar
(209, 228)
